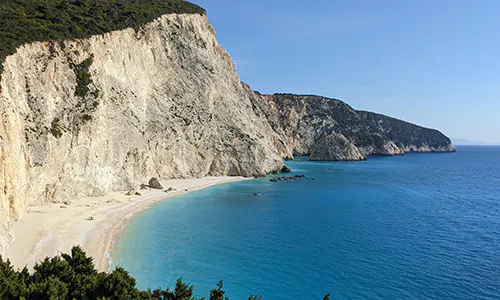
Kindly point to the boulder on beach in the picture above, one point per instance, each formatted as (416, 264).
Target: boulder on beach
(154, 183)
(170, 189)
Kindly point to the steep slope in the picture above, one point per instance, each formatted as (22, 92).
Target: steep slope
(335, 147)
(84, 117)
(304, 121)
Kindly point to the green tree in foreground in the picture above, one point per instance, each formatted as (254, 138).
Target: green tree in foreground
(73, 276)
(218, 293)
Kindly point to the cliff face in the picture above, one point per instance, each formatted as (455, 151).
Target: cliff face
(85, 117)
(335, 147)
(329, 129)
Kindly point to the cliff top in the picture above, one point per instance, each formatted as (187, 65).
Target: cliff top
(27, 21)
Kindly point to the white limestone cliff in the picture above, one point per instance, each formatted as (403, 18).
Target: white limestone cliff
(164, 102)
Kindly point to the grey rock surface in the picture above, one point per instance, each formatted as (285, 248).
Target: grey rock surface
(304, 121)
(335, 147)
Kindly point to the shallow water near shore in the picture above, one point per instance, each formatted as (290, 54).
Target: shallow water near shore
(422, 226)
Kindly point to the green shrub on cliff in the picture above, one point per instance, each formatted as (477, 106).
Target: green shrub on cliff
(83, 79)
(74, 277)
(26, 21)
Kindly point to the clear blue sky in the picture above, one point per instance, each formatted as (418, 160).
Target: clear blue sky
(432, 62)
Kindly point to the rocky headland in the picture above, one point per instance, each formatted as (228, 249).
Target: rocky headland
(329, 129)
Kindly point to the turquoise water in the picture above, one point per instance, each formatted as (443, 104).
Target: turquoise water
(422, 226)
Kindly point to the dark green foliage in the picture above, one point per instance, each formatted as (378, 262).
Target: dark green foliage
(182, 291)
(26, 21)
(74, 277)
(218, 293)
(48, 289)
(83, 79)
(12, 284)
(117, 285)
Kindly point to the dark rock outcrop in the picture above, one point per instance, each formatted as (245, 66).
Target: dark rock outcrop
(170, 189)
(154, 183)
(285, 169)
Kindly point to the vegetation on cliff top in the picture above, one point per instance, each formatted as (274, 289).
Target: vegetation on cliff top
(26, 21)
(74, 277)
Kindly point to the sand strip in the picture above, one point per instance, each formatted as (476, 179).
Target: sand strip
(51, 229)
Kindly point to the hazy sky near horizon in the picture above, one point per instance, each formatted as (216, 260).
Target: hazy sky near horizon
(432, 62)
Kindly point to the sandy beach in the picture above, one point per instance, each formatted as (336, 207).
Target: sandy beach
(55, 228)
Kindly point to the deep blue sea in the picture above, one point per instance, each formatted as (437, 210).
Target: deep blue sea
(421, 226)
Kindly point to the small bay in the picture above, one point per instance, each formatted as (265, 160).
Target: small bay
(420, 226)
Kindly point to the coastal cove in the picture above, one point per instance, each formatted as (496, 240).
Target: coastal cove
(50, 230)
(410, 227)
(85, 117)
(140, 159)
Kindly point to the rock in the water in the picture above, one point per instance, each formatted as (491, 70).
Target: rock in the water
(285, 169)
(154, 183)
(335, 147)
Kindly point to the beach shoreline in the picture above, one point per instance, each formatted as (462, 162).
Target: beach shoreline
(52, 229)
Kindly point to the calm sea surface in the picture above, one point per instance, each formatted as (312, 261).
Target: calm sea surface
(422, 226)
